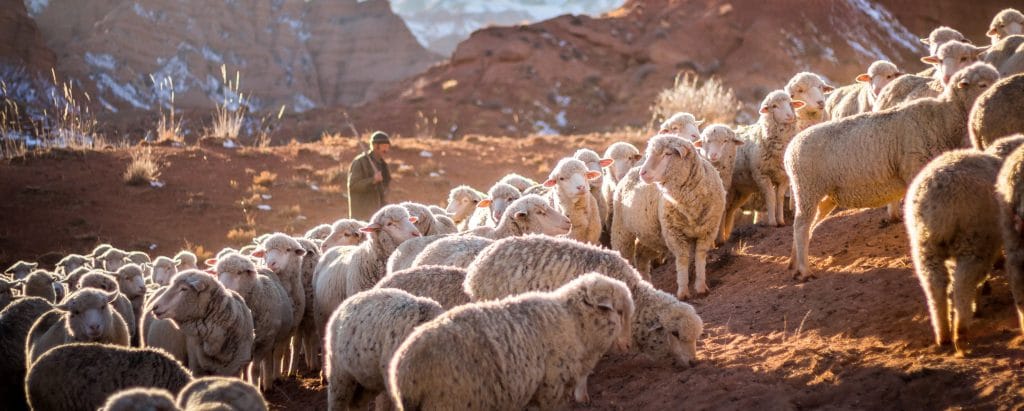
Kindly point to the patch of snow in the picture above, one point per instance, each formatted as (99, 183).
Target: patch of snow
(543, 128)
(142, 12)
(266, 196)
(126, 92)
(314, 187)
(560, 119)
(36, 6)
(426, 154)
(303, 103)
(101, 60)
(211, 55)
(890, 25)
(156, 184)
(434, 174)
(263, 207)
(152, 247)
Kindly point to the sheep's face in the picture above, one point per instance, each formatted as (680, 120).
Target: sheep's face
(571, 177)
(395, 222)
(89, 314)
(346, 236)
(940, 36)
(780, 108)
(1007, 23)
(500, 196)
(593, 163)
(236, 272)
(278, 258)
(953, 57)
(130, 281)
(719, 143)
(186, 261)
(462, 206)
(424, 218)
(879, 75)
(98, 281)
(614, 303)
(672, 337)
(113, 263)
(682, 124)
(626, 157)
(186, 297)
(538, 216)
(662, 152)
(319, 232)
(20, 269)
(71, 263)
(970, 82)
(810, 89)
(163, 270)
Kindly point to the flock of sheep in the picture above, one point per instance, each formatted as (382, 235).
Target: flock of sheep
(508, 299)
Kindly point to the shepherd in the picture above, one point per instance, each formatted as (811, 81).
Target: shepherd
(369, 179)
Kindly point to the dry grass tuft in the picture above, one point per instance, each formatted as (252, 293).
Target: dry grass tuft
(142, 169)
(709, 100)
(264, 179)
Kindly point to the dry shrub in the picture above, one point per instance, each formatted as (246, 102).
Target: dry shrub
(143, 169)
(709, 100)
(264, 179)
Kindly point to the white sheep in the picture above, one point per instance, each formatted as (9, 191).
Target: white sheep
(407, 252)
(869, 159)
(554, 339)
(86, 316)
(100, 281)
(112, 259)
(949, 58)
(462, 203)
(682, 124)
(349, 270)
(77, 377)
(70, 263)
(939, 36)
(362, 335)
(530, 214)
(309, 338)
(455, 251)
(996, 114)
(15, 323)
(426, 222)
(216, 393)
(1009, 196)
(186, 260)
(344, 232)
(318, 233)
(952, 217)
(953, 57)
(1007, 55)
(860, 96)
(163, 269)
(519, 182)
(140, 399)
(1006, 23)
(162, 333)
(441, 283)
(664, 328)
(217, 324)
(594, 162)
(131, 284)
(573, 198)
(39, 283)
(490, 209)
(20, 269)
(625, 156)
(284, 256)
(811, 89)
(718, 144)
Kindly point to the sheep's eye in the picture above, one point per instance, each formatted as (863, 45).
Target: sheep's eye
(561, 178)
(775, 106)
(390, 224)
(675, 334)
(476, 201)
(963, 58)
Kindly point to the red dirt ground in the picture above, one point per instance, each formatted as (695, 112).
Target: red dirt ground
(858, 337)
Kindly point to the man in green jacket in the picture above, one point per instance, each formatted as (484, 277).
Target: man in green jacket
(369, 178)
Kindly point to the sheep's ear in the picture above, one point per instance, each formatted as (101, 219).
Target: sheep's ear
(259, 253)
(930, 60)
(519, 215)
(211, 262)
(550, 182)
(827, 89)
(698, 143)
(899, 73)
(763, 110)
(926, 41)
(738, 141)
(978, 51)
(663, 131)
(196, 284)
(798, 103)
(991, 32)
(963, 84)
(372, 228)
(590, 175)
(484, 203)
(299, 252)
(698, 122)
(605, 162)
(863, 78)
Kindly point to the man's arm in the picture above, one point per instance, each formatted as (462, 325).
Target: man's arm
(358, 180)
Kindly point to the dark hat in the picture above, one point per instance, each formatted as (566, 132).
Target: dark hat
(379, 137)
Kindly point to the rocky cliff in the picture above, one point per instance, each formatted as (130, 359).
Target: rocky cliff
(22, 43)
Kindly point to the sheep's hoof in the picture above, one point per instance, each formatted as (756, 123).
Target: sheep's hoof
(582, 397)
(803, 278)
(683, 295)
(703, 291)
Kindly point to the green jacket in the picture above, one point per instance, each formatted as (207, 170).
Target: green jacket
(365, 197)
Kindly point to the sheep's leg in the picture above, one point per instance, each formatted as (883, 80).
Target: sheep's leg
(681, 249)
(802, 221)
(645, 260)
(341, 391)
(969, 272)
(310, 348)
(825, 207)
(580, 392)
(383, 402)
(1015, 272)
(767, 190)
(700, 284)
(729, 217)
(935, 281)
(894, 212)
(623, 242)
(266, 371)
(780, 200)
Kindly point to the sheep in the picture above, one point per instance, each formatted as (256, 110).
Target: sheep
(869, 159)
(123, 306)
(997, 112)
(682, 124)
(436, 282)
(284, 256)
(1006, 23)
(953, 57)
(1007, 55)
(355, 269)
(939, 36)
(318, 233)
(71, 280)
(308, 337)
(664, 328)
(456, 251)
(860, 96)
(40, 284)
(217, 324)
(528, 215)
(112, 259)
(6, 292)
(138, 257)
(186, 260)
(718, 144)
(407, 252)
(140, 399)
(15, 323)
(344, 232)
(594, 162)
(462, 202)
(811, 89)
(1009, 195)
(81, 376)
(907, 88)
(952, 215)
(70, 263)
(1003, 147)
(519, 182)
(273, 315)
(20, 269)
(162, 333)
(554, 339)
(490, 209)
(97, 252)
(426, 221)
(221, 393)
(86, 316)
(362, 335)
(625, 156)
(130, 283)
(689, 198)
(163, 269)
(573, 198)
(950, 58)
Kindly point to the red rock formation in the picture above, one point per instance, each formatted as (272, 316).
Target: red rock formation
(22, 45)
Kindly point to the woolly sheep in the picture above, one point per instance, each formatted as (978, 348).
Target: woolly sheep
(284, 256)
(573, 198)
(682, 124)
(98, 251)
(672, 203)
(163, 269)
(997, 112)
(221, 393)
(7, 292)
(860, 96)
(15, 322)
(131, 284)
(20, 269)
(718, 144)
(112, 259)
(354, 269)
(519, 182)
(462, 203)
(403, 256)
(272, 314)
(953, 57)
(319, 232)
(309, 338)
(71, 280)
(40, 284)
(344, 232)
(456, 251)
(81, 376)
(436, 282)
(123, 306)
(811, 89)
(1003, 147)
(869, 159)
(186, 260)
(594, 162)
(556, 339)
(527, 215)
(140, 399)
(1009, 196)
(217, 324)
(162, 333)
(1006, 23)
(625, 156)
(138, 257)
(907, 88)
(426, 222)
(1007, 55)
(490, 209)
(362, 335)
(952, 215)
(939, 36)
(70, 263)
(86, 316)
(664, 328)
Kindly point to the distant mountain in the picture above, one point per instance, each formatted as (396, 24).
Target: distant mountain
(441, 24)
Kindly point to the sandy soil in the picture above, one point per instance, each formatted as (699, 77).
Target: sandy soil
(856, 338)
